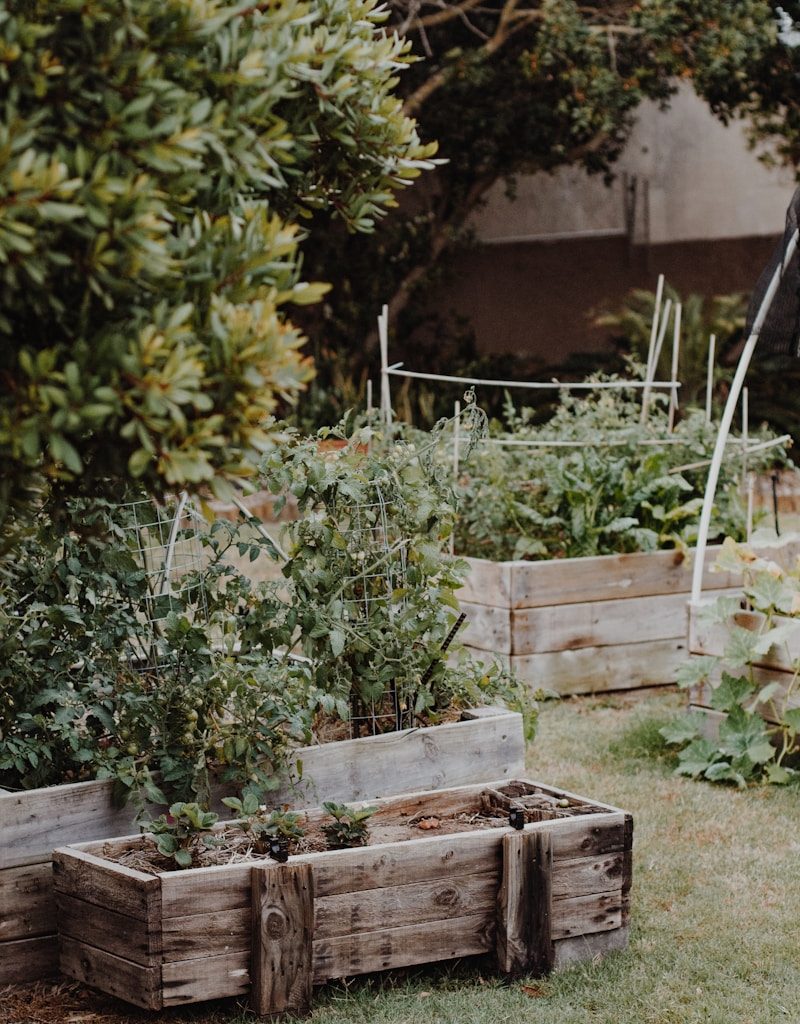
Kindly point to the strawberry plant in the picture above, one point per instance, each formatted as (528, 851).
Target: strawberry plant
(349, 826)
(265, 827)
(181, 834)
(750, 747)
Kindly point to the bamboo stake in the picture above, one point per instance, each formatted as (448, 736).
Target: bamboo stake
(650, 368)
(386, 395)
(712, 344)
(369, 417)
(650, 383)
(676, 349)
(745, 432)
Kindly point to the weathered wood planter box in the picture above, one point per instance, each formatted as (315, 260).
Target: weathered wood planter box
(488, 743)
(553, 893)
(774, 667)
(588, 625)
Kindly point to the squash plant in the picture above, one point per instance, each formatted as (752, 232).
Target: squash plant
(749, 747)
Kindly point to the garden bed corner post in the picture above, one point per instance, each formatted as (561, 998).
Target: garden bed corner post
(281, 971)
(525, 903)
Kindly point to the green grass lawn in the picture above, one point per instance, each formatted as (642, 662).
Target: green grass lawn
(716, 902)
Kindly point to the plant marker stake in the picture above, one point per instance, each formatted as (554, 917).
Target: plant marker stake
(775, 503)
(445, 644)
(369, 417)
(386, 395)
(712, 343)
(456, 443)
(650, 368)
(751, 490)
(676, 349)
(727, 417)
(745, 431)
(650, 381)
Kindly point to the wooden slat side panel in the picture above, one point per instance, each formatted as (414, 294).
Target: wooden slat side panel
(588, 875)
(26, 960)
(585, 948)
(700, 695)
(487, 628)
(402, 947)
(35, 822)
(26, 902)
(126, 937)
(369, 910)
(603, 669)
(103, 883)
(438, 757)
(207, 934)
(113, 974)
(585, 915)
(211, 977)
(488, 583)
(712, 638)
(592, 836)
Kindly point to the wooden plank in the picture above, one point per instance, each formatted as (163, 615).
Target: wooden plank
(605, 577)
(700, 695)
(368, 910)
(113, 974)
(591, 836)
(35, 822)
(602, 669)
(365, 952)
(437, 757)
(587, 875)
(206, 934)
(26, 902)
(585, 915)
(26, 960)
(487, 628)
(209, 977)
(596, 624)
(114, 886)
(541, 903)
(627, 870)
(488, 583)
(127, 937)
(586, 948)
(283, 925)
(708, 638)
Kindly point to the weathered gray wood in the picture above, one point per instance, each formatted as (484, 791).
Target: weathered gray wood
(541, 903)
(33, 823)
(402, 947)
(587, 875)
(586, 948)
(585, 915)
(488, 583)
(113, 974)
(524, 904)
(784, 700)
(24, 959)
(283, 925)
(208, 977)
(600, 669)
(128, 937)
(487, 628)
(202, 934)
(711, 638)
(627, 870)
(25, 902)
(369, 910)
(452, 754)
(114, 886)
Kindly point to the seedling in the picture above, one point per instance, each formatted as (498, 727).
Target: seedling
(183, 832)
(349, 826)
(270, 832)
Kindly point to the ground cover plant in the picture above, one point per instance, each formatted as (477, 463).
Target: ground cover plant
(699, 852)
(620, 488)
(749, 748)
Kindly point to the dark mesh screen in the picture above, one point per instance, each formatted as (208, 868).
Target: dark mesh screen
(780, 334)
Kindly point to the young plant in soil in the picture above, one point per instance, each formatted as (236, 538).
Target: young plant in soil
(182, 832)
(349, 826)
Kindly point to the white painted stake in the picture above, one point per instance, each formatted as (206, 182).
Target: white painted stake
(386, 395)
(650, 381)
(712, 344)
(650, 368)
(727, 419)
(745, 432)
(751, 490)
(456, 438)
(369, 417)
(676, 350)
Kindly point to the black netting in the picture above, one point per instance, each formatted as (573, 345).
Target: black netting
(780, 333)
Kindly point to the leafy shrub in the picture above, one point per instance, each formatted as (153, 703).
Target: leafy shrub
(181, 834)
(748, 748)
(350, 825)
(595, 498)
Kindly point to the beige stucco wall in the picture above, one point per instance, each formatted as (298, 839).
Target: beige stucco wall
(696, 180)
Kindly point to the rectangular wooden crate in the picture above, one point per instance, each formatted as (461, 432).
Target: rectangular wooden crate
(555, 892)
(590, 625)
(487, 743)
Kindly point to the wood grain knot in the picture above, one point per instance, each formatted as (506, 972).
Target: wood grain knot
(449, 896)
(275, 924)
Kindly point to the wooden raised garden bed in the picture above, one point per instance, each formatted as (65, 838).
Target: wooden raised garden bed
(488, 743)
(554, 892)
(588, 625)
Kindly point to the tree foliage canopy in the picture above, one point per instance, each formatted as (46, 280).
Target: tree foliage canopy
(156, 157)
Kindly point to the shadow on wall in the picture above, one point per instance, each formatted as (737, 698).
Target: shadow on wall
(537, 298)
